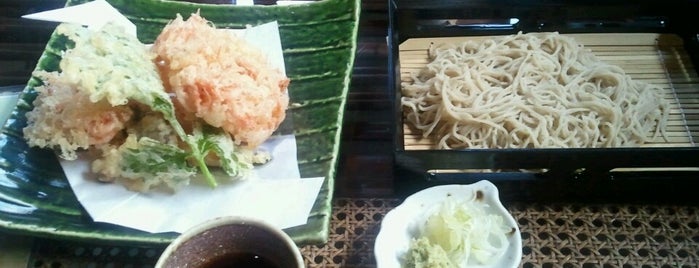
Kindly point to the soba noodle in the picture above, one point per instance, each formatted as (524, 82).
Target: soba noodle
(535, 90)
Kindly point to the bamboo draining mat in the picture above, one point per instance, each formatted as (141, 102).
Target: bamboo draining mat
(658, 59)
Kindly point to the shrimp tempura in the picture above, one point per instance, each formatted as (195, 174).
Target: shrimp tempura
(220, 78)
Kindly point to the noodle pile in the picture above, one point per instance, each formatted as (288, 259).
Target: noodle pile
(530, 91)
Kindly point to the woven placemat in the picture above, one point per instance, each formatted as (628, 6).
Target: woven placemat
(554, 235)
(575, 235)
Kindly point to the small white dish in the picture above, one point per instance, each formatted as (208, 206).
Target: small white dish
(399, 225)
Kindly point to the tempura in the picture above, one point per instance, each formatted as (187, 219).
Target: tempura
(207, 98)
(222, 79)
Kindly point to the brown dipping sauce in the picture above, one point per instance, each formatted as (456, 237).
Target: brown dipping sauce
(240, 259)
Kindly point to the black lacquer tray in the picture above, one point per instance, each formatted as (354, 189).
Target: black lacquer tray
(657, 28)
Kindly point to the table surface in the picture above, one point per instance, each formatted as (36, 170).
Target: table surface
(553, 235)
(600, 232)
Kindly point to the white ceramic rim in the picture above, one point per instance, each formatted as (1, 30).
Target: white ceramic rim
(220, 221)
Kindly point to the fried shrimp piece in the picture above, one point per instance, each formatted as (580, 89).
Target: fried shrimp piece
(68, 119)
(220, 78)
(88, 100)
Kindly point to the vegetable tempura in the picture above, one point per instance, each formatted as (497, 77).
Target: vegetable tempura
(109, 96)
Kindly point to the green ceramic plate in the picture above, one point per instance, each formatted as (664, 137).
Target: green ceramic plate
(319, 42)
